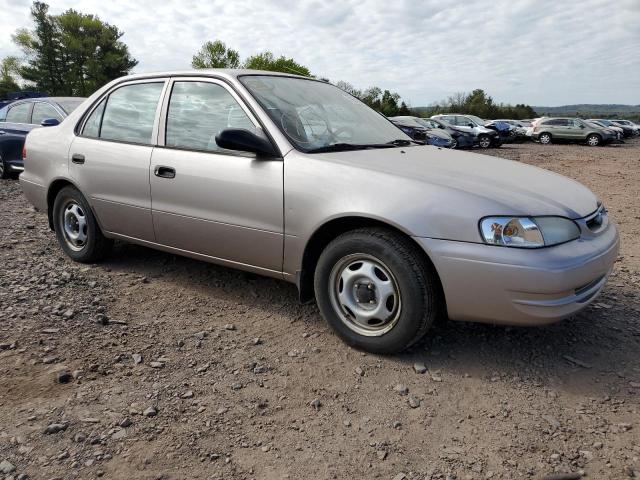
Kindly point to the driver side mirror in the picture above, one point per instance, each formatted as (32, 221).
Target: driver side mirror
(50, 122)
(245, 141)
(470, 125)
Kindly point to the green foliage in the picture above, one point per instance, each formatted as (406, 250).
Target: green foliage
(73, 53)
(386, 102)
(216, 55)
(588, 110)
(267, 61)
(477, 103)
(9, 67)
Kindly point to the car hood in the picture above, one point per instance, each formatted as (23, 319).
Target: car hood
(508, 187)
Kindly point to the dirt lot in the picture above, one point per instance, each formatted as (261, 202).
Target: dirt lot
(151, 366)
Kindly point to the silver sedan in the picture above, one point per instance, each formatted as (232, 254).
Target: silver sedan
(293, 178)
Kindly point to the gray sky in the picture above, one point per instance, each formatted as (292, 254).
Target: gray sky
(540, 52)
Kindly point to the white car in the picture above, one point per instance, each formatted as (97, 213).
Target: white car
(483, 137)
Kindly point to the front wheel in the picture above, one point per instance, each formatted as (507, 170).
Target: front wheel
(484, 141)
(593, 140)
(76, 228)
(376, 290)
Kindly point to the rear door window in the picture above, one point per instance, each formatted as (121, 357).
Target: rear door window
(20, 113)
(92, 125)
(130, 113)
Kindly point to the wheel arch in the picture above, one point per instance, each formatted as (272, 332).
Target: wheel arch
(52, 192)
(335, 227)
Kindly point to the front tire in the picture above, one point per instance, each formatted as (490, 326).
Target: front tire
(376, 290)
(484, 141)
(76, 228)
(594, 140)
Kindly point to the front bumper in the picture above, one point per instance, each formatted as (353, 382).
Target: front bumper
(511, 286)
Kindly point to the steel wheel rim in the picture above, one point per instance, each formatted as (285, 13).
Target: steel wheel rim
(454, 144)
(1, 167)
(593, 141)
(365, 294)
(74, 225)
(544, 138)
(485, 142)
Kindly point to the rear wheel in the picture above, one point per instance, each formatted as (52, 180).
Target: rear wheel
(545, 138)
(484, 141)
(376, 290)
(76, 228)
(594, 140)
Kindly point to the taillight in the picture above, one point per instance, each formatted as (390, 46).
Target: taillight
(24, 153)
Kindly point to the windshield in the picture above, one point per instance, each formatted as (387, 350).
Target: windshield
(316, 115)
(477, 120)
(70, 104)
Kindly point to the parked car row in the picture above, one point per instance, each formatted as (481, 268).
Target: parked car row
(469, 130)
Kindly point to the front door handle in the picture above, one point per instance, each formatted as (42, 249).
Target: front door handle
(164, 172)
(77, 158)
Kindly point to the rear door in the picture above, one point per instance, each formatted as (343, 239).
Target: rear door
(221, 203)
(110, 158)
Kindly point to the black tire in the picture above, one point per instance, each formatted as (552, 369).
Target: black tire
(545, 138)
(416, 280)
(594, 140)
(484, 141)
(96, 246)
(4, 171)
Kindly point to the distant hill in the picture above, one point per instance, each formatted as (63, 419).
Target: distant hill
(591, 110)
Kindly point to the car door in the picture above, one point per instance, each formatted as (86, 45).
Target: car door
(110, 158)
(227, 205)
(575, 130)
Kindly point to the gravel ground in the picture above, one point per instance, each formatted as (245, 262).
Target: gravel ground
(152, 366)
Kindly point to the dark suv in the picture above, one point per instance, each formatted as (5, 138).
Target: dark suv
(571, 129)
(20, 117)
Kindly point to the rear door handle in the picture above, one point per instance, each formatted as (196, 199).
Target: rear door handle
(77, 158)
(164, 172)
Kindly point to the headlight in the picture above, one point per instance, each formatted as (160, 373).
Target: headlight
(528, 232)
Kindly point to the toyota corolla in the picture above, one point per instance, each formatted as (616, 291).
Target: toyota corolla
(293, 178)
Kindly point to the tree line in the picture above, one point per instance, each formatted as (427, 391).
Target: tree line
(74, 54)
(478, 103)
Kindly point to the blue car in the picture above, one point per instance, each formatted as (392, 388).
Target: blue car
(20, 117)
(421, 133)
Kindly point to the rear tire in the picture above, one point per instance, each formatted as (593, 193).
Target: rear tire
(376, 290)
(545, 138)
(76, 228)
(594, 140)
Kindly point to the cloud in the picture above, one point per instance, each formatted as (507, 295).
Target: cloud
(538, 52)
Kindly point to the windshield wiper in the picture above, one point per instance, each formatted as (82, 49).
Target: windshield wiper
(343, 147)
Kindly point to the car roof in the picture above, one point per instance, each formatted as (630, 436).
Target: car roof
(228, 73)
(47, 99)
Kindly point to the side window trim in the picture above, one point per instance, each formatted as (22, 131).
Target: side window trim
(105, 98)
(162, 131)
